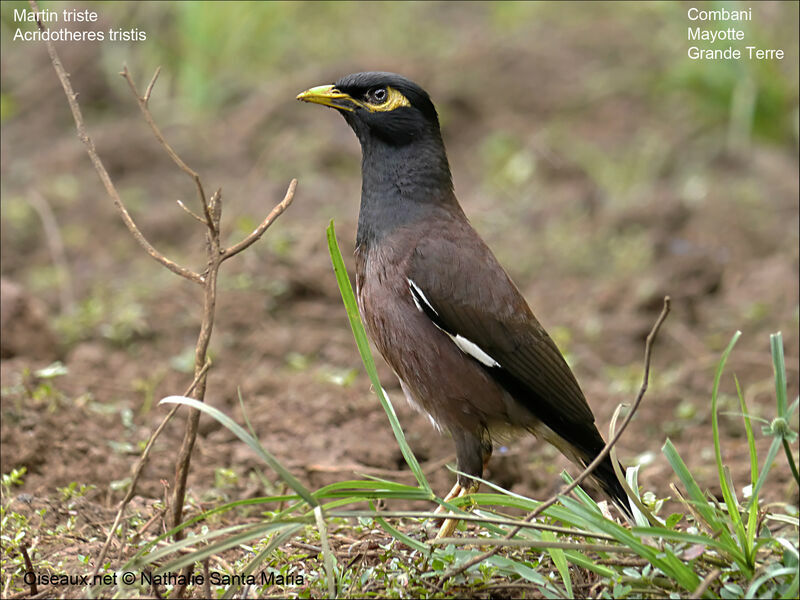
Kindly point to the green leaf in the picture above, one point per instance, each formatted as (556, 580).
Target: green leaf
(752, 514)
(673, 520)
(728, 489)
(779, 370)
(560, 561)
(406, 539)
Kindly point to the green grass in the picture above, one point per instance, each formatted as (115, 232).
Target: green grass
(743, 547)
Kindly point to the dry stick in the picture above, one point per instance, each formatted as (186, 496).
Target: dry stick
(706, 583)
(188, 210)
(193, 418)
(72, 99)
(138, 471)
(212, 210)
(592, 465)
(28, 566)
(55, 244)
(206, 580)
(26, 593)
(142, 101)
(259, 231)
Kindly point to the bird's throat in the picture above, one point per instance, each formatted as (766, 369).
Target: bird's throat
(400, 186)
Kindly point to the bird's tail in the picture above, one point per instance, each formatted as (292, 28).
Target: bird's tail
(604, 475)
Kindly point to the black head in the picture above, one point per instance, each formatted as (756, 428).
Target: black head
(382, 105)
(405, 175)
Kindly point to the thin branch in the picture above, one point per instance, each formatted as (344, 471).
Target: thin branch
(206, 580)
(188, 210)
(203, 339)
(149, 90)
(55, 243)
(29, 566)
(138, 471)
(706, 583)
(592, 465)
(142, 101)
(98, 164)
(259, 231)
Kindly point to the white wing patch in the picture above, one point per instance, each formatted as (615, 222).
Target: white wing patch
(465, 345)
(415, 288)
(474, 351)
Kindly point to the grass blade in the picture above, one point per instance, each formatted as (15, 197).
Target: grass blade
(248, 439)
(752, 513)
(327, 555)
(560, 561)
(696, 497)
(728, 491)
(779, 370)
(277, 539)
(351, 306)
(402, 537)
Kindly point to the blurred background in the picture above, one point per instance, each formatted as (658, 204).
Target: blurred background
(603, 166)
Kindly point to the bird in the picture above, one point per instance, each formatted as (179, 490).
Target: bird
(444, 314)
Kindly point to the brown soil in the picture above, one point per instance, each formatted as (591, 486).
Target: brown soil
(281, 337)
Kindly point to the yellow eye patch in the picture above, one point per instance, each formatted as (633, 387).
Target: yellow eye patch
(393, 100)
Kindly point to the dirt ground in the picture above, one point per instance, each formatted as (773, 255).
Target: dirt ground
(714, 227)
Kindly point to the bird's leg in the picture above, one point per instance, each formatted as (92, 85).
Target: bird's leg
(449, 525)
(455, 492)
(472, 456)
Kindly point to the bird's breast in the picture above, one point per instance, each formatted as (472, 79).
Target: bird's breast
(436, 374)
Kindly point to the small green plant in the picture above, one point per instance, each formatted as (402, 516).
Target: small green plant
(74, 490)
(14, 478)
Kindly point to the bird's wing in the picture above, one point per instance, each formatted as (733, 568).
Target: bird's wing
(455, 279)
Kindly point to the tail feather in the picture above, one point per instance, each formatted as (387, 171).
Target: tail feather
(607, 479)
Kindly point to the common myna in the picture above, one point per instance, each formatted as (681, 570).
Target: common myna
(442, 311)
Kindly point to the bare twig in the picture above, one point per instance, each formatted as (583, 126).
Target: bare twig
(23, 548)
(706, 583)
(26, 593)
(193, 418)
(143, 529)
(72, 99)
(142, 100)
(592, 465)
(259, 231)
(138, 471)
(188, 210)
(212, 214)
(55, 244)
(206, 580)
(149, 90)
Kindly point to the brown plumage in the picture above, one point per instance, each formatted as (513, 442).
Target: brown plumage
(441, 310)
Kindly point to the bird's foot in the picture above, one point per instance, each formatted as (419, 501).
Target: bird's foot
(449, 525)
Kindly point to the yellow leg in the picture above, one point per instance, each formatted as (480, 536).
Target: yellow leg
(449, 525)
(453, 493)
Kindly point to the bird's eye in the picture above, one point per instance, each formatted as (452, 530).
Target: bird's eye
(377, 95)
